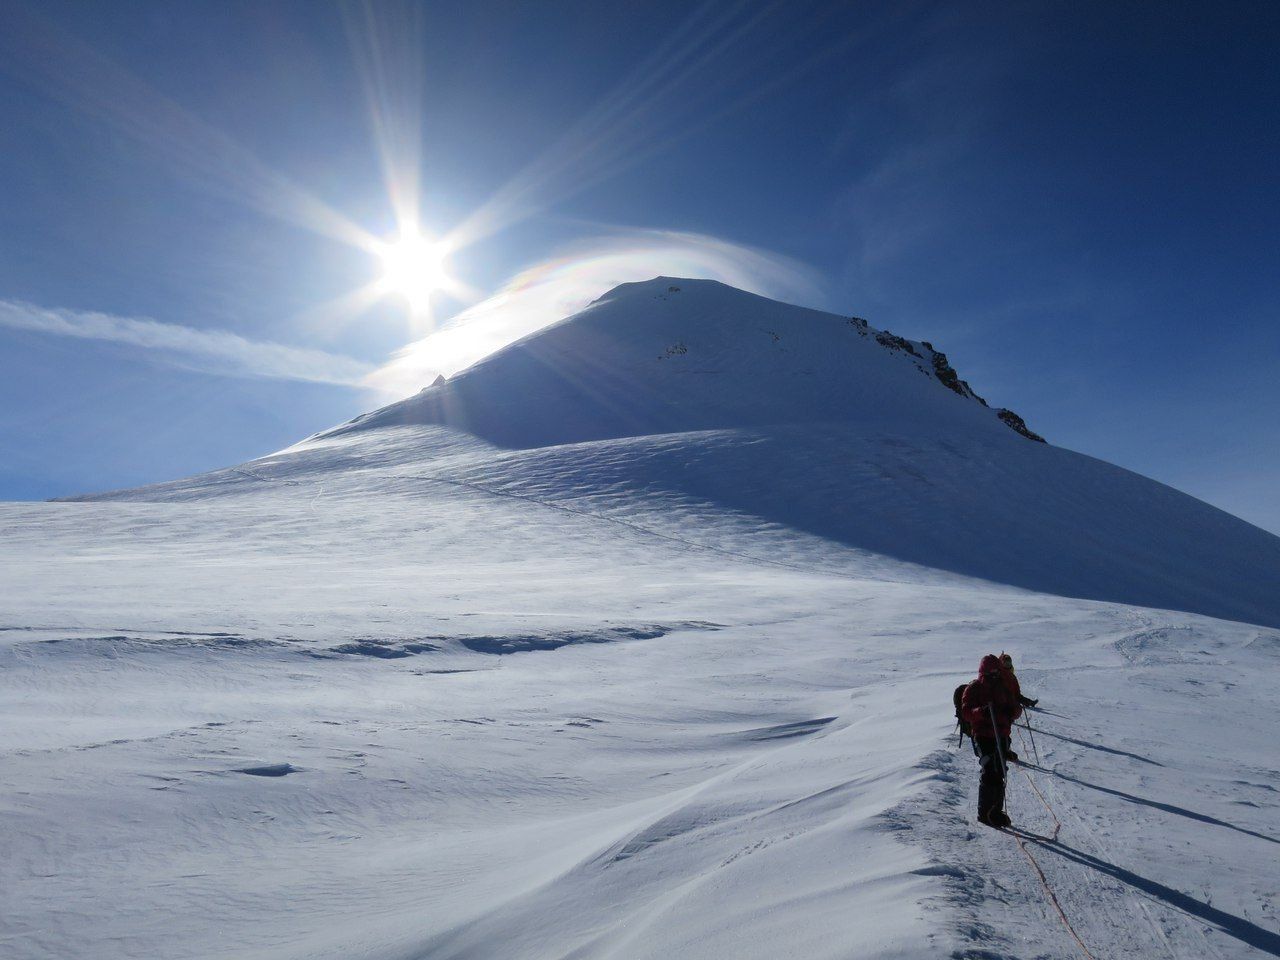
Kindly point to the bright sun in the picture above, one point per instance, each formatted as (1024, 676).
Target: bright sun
(413, 267)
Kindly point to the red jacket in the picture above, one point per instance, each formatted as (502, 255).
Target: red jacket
(997, 688)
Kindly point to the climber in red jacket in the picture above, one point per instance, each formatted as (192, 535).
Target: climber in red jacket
(990, 705)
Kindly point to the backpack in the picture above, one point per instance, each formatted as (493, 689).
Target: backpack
(961, 722)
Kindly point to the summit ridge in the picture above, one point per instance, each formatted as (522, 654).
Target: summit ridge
(672, 355)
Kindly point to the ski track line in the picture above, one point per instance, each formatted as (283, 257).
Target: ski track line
(1156, 928)
(1204, 949)
(1044, 881)
(1053, 899)
(316, 499)
(1158, 933)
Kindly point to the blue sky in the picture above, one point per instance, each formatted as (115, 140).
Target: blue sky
(1077, 202)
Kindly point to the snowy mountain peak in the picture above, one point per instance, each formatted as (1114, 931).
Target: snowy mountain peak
(694, 412)
(672, 355)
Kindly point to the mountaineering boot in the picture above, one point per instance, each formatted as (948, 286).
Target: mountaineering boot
(993, 817)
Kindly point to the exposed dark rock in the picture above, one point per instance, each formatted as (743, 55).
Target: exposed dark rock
(894, 342)
(946, 373)
(1018, 425)
(948, 377)
(969, 389)
(938, 365)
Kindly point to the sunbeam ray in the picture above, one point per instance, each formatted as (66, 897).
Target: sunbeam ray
(382, 40)
(658, 104)
(76, 74)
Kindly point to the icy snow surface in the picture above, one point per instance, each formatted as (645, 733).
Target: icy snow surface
(637, 640)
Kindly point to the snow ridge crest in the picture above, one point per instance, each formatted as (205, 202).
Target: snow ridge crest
(675, 355)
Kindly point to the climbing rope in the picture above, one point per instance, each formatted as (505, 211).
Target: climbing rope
(1057, 824)
(1044, 881)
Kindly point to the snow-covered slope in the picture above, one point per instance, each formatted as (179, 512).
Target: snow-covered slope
(690, 391)
(672, 355)
(638, 640)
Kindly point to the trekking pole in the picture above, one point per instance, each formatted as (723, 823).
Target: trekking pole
(1031, 733)
(1004, 767)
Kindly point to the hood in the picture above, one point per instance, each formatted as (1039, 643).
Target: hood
(990, 666)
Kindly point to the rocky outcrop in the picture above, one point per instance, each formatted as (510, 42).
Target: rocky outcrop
(892, 341)
(934, 363)
(1018, 425)
(948, 377)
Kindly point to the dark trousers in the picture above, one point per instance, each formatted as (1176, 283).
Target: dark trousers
(991, 785)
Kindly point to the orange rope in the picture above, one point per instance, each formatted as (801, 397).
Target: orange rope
(1044, 881)
(1057, 824)
(1053, 899)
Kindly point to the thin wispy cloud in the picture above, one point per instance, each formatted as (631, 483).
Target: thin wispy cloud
(535, 298)
(209, 351)
(563, 285)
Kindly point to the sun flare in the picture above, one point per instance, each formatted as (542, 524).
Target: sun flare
(414, 267)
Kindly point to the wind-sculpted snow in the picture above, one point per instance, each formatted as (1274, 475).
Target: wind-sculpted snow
(436, 686)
